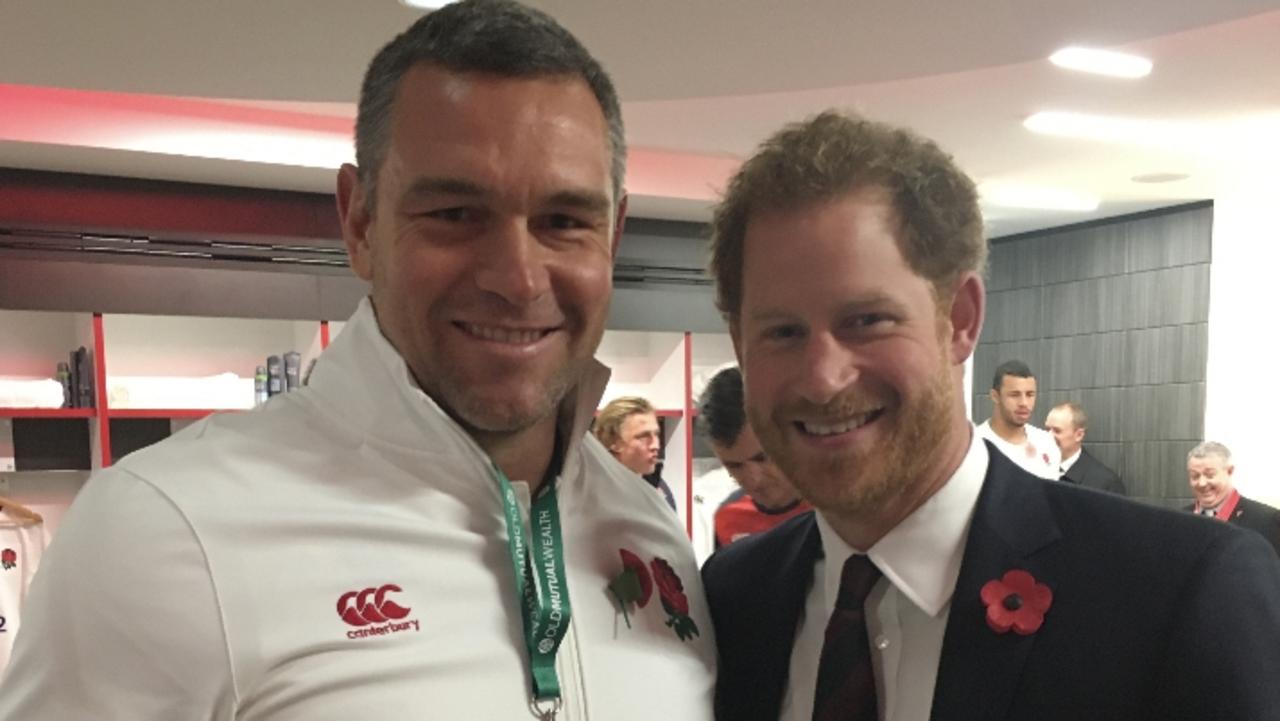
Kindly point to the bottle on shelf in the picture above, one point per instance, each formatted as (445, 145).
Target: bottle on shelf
(292, 370)
(260, 394)
(275, 376)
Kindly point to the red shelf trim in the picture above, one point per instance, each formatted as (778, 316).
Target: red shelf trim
(48, 412)
(100, 386)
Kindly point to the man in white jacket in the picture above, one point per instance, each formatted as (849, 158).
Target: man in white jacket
(426, 530)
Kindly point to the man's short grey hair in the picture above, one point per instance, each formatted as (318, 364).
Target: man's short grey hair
(492, 37)
(1210, 448)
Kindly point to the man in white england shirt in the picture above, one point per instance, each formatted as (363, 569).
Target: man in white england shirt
(1013, 399)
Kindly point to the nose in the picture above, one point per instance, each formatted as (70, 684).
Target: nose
(828, 369)
(512, 264)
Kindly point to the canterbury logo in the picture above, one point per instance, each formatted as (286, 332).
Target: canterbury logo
(361, 608)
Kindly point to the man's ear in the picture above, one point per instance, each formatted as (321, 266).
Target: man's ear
(967, 311)
(355, 219)
(618, 224)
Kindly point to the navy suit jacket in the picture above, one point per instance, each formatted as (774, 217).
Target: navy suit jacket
(1257, 517)
(1156, 614)
(1090, 472)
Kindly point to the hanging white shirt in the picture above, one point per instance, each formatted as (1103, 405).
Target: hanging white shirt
(21, 544)
(920, 559)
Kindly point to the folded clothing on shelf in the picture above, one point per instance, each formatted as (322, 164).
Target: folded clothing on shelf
(30, 393)
(225, 390)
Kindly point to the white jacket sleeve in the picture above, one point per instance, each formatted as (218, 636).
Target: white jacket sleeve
(122, 620)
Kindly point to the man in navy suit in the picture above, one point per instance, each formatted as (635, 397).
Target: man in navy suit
(937, 580)
(1068, 423)
(1212, 477)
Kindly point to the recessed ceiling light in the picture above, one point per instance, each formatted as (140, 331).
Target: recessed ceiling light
(1102, 62)
(1159, 177)
(427, 4)
(1134, 131)
(1033, 197)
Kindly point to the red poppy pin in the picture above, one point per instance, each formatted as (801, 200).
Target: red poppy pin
(1016, 602)
(633, 585)
(8, 558)
(674, 602)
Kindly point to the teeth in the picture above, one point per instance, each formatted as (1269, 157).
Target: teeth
(821, 429)
(504, 335)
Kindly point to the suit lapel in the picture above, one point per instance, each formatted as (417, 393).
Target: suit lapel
(1079, 471)
(786, 603)
(980, 668)
(759, 610)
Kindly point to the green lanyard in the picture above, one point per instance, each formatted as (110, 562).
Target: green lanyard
(544, 602)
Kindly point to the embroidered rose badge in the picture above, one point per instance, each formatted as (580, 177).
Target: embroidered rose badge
(8, 558)
(1016, 602)
(674, 602)
(633, 585)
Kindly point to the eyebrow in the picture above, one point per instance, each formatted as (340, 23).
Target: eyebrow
(576, 199)
(852, 307)
(445, 186)
(581, 200)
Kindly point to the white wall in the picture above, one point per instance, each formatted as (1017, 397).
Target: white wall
(1242, 396)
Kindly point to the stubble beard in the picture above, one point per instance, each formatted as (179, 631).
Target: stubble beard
(862, 483)
(480, 414)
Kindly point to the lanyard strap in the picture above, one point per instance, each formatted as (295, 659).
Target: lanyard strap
(544, 598)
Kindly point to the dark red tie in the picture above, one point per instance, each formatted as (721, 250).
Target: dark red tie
(846, 689)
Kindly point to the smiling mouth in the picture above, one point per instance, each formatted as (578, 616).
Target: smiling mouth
(510, 336)
(830, 429)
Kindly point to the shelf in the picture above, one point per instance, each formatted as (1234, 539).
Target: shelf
(167, 412)
(48, 412)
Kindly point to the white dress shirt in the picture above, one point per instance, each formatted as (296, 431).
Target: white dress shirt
(1067, 463)
(920, 559)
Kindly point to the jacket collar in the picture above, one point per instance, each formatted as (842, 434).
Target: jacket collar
(364, 385)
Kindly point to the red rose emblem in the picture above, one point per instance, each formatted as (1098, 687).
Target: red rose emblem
(632, 585)
(674, 602)
(670, 588)
(8, 558)
(635, 585)
(631, 562)
(1016, 602)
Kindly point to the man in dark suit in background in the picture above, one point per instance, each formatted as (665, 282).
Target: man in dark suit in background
(1068, 424)
(938, 580)
(1212, 478)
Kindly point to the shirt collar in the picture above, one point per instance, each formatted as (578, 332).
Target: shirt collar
(921, 555)
(1067, 463)
(364, 379)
